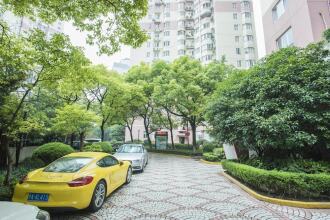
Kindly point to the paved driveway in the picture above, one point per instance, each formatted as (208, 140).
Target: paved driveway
(181, 188)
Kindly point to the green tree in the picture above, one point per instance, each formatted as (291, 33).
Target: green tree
(108, 23)
(75, 119)
(45, 63)
(278, 108)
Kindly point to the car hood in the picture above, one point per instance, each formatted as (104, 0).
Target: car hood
(14, 210)
(128, 156)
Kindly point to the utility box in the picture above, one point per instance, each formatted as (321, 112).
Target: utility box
(161, 140)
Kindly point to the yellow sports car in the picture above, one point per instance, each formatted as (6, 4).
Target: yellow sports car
(77, 180)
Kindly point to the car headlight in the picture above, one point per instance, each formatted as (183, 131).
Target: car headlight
(43, 215)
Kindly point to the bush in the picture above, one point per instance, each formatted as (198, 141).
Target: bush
(208, 147)
(290, 165)
(183, 146)
(99, 147)
(51, 151)
(282, 184)
(210, 157)
(177, 151)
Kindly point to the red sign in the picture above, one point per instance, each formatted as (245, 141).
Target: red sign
(161, 133)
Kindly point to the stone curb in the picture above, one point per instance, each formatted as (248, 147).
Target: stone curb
(292, 203)
(209, 162)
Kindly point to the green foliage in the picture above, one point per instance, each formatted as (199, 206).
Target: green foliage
(282, 184)
(74, 119)
(281, 104)
(210, 157)
(327, 34)
(51, 151)
(217, 154)
(108, 23)
(183, 146)
(210, 146)
(290, 165)
(99, 147)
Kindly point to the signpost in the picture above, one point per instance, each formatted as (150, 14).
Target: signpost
(161, 139)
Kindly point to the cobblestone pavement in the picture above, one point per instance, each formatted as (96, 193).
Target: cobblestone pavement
(176, 188)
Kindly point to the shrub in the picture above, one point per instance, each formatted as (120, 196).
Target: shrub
(208, 147)
(210, 157)
(99, 147)
(51, 151)
(177, 151)
(282, 184)
(183, 146)
(290, 165)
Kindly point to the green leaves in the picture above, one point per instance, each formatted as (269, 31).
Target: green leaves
(281, 103)
(108, 23)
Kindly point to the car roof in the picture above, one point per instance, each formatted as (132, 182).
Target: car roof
(94, 155)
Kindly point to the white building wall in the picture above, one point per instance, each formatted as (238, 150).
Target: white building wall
(203, 29)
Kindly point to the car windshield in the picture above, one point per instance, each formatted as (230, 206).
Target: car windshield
(68, 164)
(130, 148)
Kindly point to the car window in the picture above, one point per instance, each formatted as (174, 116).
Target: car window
(108, 161)
(68, 164)
(130, 148)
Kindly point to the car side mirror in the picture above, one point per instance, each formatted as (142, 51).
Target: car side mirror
(121, 163)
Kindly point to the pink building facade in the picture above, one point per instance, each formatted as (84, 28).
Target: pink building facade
(294, 22)
(180, 134)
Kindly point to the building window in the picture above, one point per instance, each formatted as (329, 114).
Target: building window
(249, 50)
(285, 39)
(247, 14)
(167, 24)
(248, 38)
(249, 63)
(279, 9)
(246, 4)
(166, 53)
(238, 51)
(181, 52)
(234, 5)
(206, 25)
(156, 54)
(236, 27)
(235, 16)
(239, 63)
(237, 39)
(166, 43)
(167, 14)
(247, 26)
(148, 44)
(166, 33)
(148, 54)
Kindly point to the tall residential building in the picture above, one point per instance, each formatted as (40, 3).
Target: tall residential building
(122, 66)
(203, 29)
(20, 25)
(294, 22)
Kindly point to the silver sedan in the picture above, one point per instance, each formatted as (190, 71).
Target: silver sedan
(136, 153)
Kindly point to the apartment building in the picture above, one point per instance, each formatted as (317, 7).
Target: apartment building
(294, 22)
(203, 29)
(20, 25)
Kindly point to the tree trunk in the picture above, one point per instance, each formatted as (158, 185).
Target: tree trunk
(3, 154)
(147, 131)
(81, 138)
(171, 128)
(71, 139)
(5, 143)
(19, 146)
(130, 132)
(102, 130)
(193, 130)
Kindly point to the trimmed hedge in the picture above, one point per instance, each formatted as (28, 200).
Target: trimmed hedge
(99, 147)
(218, 154)
(51, 151)
(281, 184)
(210, 157)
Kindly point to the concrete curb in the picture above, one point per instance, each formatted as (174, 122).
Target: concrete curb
(176, 155)
(292, 203)
(209, 162)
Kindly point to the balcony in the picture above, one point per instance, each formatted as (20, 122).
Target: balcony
(206, 12)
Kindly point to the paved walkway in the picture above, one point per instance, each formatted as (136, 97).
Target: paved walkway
(181, 188)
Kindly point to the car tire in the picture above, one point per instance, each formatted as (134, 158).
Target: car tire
(129, 175)
(99, 196)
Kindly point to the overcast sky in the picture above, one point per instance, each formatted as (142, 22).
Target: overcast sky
(78, 39)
